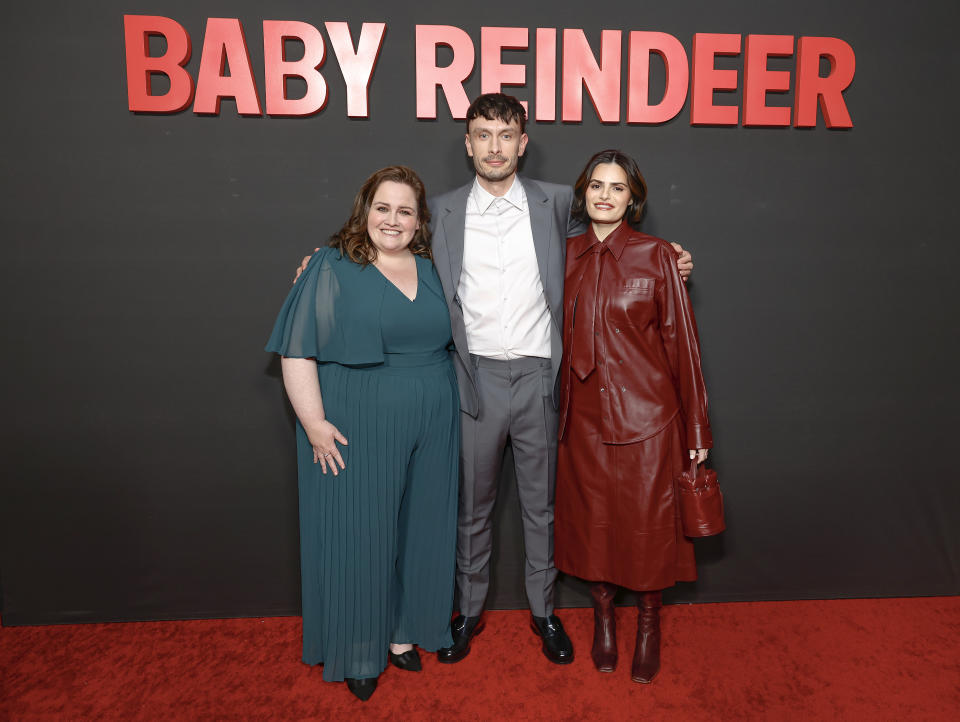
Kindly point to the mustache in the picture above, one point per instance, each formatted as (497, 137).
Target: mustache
(495, 157)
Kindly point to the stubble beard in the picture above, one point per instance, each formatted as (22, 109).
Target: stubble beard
(494, 174)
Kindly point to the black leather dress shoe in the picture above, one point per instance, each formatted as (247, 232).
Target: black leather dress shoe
(463, 630)
(408, 660)
(557, 646)
(361, 688)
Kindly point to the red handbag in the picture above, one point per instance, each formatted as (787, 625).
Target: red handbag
(701, 503)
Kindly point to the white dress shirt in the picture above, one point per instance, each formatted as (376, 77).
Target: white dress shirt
(504, 310)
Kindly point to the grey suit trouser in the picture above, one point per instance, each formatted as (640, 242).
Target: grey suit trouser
(515, 404)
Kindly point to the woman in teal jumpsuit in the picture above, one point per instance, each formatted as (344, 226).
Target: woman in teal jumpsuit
(364, 335)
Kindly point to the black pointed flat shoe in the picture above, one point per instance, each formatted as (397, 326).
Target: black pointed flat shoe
(362, 688)
(409, 660)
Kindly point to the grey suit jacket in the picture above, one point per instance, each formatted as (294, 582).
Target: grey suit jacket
(551, 224)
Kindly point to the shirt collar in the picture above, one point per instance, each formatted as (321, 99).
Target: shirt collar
(483, 199)
(614, 243)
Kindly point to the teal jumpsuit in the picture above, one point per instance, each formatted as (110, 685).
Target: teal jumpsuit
(377, 541)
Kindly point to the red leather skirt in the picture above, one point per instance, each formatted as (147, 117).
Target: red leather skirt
(617, 515)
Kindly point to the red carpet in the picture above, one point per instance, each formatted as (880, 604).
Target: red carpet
(893, 659)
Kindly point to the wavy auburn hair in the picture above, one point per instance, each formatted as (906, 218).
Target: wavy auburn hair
(353, 241)
(638, 186)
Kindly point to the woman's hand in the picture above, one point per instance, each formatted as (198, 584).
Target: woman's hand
(306, 259)
(701, 454)
(323, 437)
(684, 261)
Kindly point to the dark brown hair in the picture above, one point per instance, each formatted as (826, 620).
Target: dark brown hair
(497, 106)
(353, 241)
(638, 186)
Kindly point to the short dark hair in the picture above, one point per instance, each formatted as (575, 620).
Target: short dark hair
(638, 186)
(497, 106)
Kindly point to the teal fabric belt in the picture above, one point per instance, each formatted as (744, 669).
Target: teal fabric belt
(409, 360)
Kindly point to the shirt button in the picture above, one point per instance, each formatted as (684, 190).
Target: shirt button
(602, 389)
(616, 330)
(623, 388)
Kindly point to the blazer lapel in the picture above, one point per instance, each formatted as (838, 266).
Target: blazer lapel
(452, 225)
(541, 224)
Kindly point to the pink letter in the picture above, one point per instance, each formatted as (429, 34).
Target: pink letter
(829, 90)
(546, 74)
(356, 67)
(706, 79)
(601, 82)
(224, 44)
(642, 44)
(450, 78)
(137, 30)
(493, 73)
(758, 80)
(277, 68)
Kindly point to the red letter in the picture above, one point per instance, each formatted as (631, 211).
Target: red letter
(674, 57)
(829, 90)
(493, 73)
(223, 44)
(546, 74)
(356, 67)
(601, 82)
(450, 78)
(137, 30)
(758, 80)
(276, 68)
(706, 79)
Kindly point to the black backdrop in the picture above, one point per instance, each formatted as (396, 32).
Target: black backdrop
(147, 446)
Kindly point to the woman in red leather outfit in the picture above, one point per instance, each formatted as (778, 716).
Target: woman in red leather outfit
(633, 410)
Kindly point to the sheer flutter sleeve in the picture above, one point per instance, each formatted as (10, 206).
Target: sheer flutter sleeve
(307, 325)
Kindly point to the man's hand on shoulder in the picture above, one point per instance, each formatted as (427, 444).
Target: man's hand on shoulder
(306, 260)
(684, 261)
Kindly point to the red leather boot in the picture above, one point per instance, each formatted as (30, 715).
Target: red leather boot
(646, 657)
(604, 651)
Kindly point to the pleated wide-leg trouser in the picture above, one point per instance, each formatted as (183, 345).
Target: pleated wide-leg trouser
(377, 541)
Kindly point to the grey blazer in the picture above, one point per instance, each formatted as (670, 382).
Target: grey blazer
(551, 224)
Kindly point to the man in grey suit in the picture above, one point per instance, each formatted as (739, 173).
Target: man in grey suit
(499, 246)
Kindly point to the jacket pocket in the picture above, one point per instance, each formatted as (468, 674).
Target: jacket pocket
(634, 302)
(639, 286)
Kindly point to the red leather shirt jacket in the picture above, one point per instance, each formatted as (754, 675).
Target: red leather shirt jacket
(647, 350)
